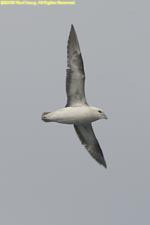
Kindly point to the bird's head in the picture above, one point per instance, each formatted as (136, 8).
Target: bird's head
(100, 113)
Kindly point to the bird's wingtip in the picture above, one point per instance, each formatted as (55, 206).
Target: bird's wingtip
(73, 44)
(72, 26)
(103, 163)
(72, 29)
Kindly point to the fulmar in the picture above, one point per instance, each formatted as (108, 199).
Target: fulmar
(77, 111)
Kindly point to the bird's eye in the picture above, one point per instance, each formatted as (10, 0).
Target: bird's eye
(100, 111)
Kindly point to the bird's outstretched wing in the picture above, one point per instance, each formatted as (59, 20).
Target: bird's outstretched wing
(88, 139)
(75, 72)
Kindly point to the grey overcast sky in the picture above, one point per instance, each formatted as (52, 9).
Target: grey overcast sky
(46, 175)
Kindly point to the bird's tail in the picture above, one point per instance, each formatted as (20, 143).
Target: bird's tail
(45, 118)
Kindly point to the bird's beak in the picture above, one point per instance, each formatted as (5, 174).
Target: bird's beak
(104, 116)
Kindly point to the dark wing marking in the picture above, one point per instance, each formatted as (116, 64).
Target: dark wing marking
(75, 72)
(88, 139)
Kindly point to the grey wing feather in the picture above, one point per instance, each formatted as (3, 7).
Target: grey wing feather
(88, 139)
(75, 72)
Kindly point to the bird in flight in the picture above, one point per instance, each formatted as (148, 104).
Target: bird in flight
(77, 111)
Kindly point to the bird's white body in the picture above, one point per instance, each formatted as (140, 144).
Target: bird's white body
(75, 115)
